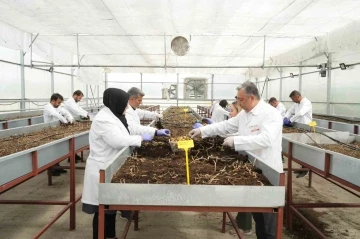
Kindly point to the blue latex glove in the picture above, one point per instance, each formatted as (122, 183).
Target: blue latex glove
(197, 125)
(287, 122)
(227, 109)
(146, 137)
(208, 121)
(163, 132)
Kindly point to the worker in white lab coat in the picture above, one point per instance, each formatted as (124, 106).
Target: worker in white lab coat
(259, 128)
(213, 106)
(301, 111)
(109, 134)
(219, 112)
(278, 105)
(134, 114)
(72, 105)
(53, 111)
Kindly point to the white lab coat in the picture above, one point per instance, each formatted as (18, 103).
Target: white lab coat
(133, 121)
(145, 114)
(281, 108)
(106, 138)
(219, 114)
(74, 108)
(213, 106)
(53, 114)
(302, 113)
(259, 132)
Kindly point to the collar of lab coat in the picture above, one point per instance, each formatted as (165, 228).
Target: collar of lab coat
(255, 110)
(130, 107)
(303, 99)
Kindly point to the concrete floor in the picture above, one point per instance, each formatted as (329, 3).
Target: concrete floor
(23, 221)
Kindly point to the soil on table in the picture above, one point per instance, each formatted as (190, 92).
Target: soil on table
(290, 130)
(17, 143)
(342, 149)
(332, 118)
(209, 163)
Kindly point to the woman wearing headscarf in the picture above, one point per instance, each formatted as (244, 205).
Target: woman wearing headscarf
(109, 134)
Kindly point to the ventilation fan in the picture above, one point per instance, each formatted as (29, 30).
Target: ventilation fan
(180, 46)
(195, 88)
(169, 92)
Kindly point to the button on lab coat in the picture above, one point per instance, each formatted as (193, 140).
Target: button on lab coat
(259, 132)
(74, 108)
(302, 113)
(107, 137)
(281, 108)
(53, 114)
(133, 120)
(219, 114)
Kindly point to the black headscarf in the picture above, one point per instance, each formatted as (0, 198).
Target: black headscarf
(116, 100)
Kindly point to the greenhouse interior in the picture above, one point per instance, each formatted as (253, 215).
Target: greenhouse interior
(185, 118)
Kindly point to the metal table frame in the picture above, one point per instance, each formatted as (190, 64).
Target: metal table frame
(36, 170)
(324, 171)
(108, 201)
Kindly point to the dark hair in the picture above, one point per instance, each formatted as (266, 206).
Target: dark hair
(294, 93)
(78, 93)
(272, 99)
(56, 96)
(223, 103)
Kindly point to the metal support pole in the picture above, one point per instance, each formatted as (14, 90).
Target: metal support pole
(22, 82)
(177, 89)
(267, 89)
(263, 64)
(212, 88)
(72, 81)
(87, 95)
(77, 48)
(328, 86)
(281, 81)
(98, 95)
(300, 78)
(141, 81)
(31, 61)
(52, 82)
(106, 81)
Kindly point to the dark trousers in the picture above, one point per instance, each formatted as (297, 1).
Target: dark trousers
(265, 225)
(244, 220)
(110, 220)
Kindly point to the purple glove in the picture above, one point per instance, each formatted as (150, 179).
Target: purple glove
(208, 121)
(287, 121)
(197, 125)
(163, 132)
(146, 137)
(227, 109)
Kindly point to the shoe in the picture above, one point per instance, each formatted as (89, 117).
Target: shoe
(55, 173)
(77, 158)
(247, 232)
(233, 232)
(302, 174)
(60, 170)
